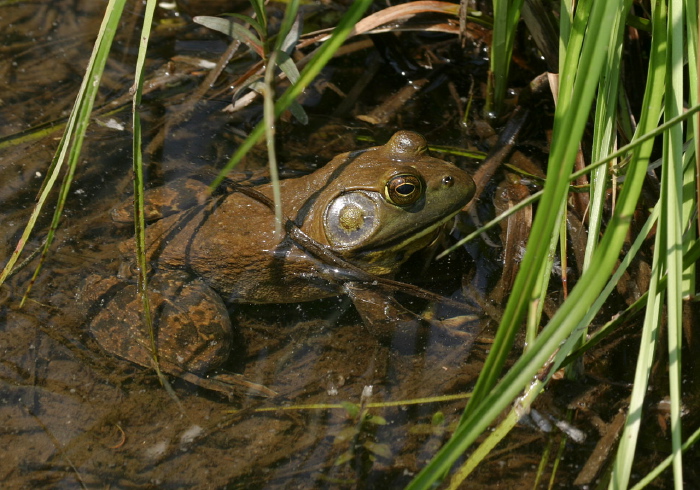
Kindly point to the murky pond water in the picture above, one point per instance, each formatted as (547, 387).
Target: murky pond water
(74, 415)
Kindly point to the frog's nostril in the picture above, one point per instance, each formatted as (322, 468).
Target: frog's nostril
(448, 180)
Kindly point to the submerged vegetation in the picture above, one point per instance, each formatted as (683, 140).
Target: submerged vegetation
(619, 195)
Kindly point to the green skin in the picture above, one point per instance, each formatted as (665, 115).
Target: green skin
(368, 210)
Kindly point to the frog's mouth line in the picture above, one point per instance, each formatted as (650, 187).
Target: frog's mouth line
(401, 242)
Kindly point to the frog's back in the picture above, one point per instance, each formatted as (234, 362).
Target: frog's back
(230, 242)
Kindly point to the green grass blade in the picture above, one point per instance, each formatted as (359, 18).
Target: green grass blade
(569, 62)
(653, 97)
(671, 226)
(666, 463)
(484, 449)
(691, 256)
(506, 14)
(566, 18)
(75, 131)
(638, 142)
(691, 176)
(284, 42)
(319, 60)
(604, 133)
(260, 13)
(693, 33)
(570, 121)
(269, 119)
(630, 434)
(539, 291)
(139, 214)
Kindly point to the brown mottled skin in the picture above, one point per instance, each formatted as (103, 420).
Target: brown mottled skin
(226, 247)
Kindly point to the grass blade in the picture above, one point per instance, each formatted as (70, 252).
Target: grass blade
(319, 60)
(506, 14)
(570, 120)
(571, 116)
(139, 215)
(652, 101)
(74, 135)
(672, 226)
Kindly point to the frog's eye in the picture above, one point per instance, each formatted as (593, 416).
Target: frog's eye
(350, 219)
(404, 189)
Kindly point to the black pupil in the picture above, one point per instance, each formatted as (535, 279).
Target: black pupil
(405, 189)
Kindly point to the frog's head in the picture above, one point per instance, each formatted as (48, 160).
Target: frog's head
(376, 207)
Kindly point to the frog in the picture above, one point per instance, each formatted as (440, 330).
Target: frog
(346, 230)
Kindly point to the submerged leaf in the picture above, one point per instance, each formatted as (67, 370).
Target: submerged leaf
(292, 37)
(375, 419)
(381, 450)
(287, 65)
(352, 408)
(299, 113)
(232, 29)
(346, 434)
(344, 458)
(253, 23)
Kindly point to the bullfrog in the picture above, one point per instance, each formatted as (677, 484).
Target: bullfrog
(347, 229)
